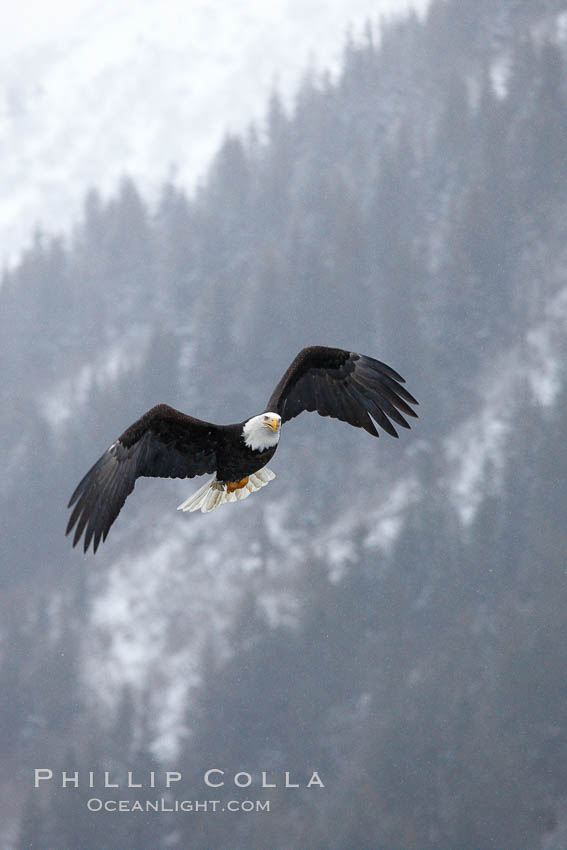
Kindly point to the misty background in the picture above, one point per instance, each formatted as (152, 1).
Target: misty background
(389, 613)
(96, 89)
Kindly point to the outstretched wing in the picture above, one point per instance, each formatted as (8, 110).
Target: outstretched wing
(346, 386)
(163, 443)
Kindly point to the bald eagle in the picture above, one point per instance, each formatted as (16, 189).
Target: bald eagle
(166, 443)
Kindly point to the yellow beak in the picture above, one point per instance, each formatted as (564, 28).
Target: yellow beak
(274, 423)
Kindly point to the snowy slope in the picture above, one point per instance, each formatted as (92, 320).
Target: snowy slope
(476, 451)
(149, 94)
(195, 570)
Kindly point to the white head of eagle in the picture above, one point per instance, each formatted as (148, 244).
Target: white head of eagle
(262, 432)
(166, 443)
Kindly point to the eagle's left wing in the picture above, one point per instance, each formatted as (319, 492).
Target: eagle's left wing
(344, 385)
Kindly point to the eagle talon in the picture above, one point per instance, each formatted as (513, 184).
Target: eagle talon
(231, 486)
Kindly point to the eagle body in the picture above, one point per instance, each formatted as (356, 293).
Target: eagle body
(236, 459)
(167, 443)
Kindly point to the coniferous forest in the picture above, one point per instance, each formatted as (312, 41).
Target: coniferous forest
(390, 614)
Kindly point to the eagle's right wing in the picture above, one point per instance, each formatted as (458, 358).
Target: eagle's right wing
(163, 443)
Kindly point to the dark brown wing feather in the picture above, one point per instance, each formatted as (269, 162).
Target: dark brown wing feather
(346, 386)
(163, 443)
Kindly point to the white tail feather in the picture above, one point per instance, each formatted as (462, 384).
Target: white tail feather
(214, 493)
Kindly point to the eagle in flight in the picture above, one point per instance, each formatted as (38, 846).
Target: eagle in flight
(165, 443)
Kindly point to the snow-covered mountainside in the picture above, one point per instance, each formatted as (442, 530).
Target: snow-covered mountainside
(146, 90)
(144, 598)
